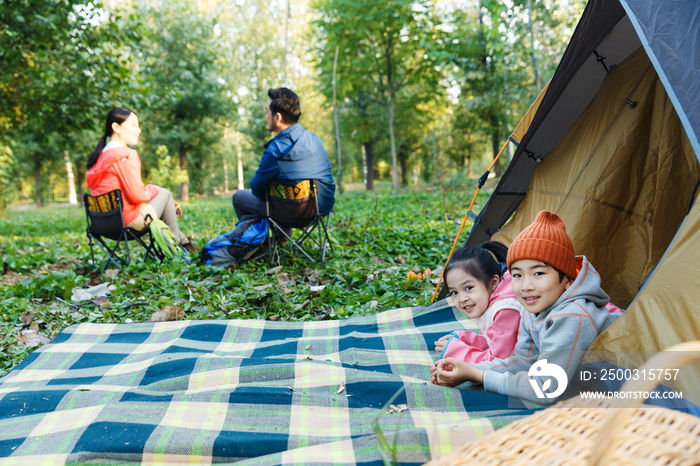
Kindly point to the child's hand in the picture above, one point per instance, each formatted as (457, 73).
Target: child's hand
(433, 374)
(451, 372)
(440, 344)
(178, 210)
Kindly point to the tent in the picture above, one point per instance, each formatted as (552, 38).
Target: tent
(613, 148)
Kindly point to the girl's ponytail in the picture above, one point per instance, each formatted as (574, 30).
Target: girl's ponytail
(499, 251)
(117, 115)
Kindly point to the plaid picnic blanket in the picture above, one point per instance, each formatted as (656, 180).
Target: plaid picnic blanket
(260, 392)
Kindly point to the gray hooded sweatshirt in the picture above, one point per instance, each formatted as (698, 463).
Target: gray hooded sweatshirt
(561, 335)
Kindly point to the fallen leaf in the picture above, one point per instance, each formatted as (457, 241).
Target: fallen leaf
(314, 294)
(397, 409)
(435, 281)
(284, 280)
(273, 270)
(168, 313)
(416, 270)
(318, 288)
(288, 290)
(26, 318)
(263, 287)
(274, 317)
(400, 259)
(313, 277)
(374, 303)
(31, 338)
(350, 243)
(101, 301)
(34, 326)
(302, 305)
(216, 279)
(76, 244)
(341, 389)
(111, 273)
(308, 358)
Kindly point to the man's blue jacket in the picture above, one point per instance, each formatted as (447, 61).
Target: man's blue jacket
(295, 155)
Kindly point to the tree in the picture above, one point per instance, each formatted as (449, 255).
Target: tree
(191, 101)
(385, 47)
(64, 62)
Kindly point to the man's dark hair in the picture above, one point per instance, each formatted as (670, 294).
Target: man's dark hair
(286, 103)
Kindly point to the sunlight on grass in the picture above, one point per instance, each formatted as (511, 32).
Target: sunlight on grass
(377, 239)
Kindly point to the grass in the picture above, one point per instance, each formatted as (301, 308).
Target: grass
(378, 238)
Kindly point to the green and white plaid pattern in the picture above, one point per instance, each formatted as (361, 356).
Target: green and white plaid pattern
(265, 393)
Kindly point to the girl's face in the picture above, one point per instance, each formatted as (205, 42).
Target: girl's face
(128, 132)
(470, 295)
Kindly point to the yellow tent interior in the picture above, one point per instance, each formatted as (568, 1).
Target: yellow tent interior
(622, 172)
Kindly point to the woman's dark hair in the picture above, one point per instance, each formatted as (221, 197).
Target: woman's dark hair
(286, 103)
(117, 115)
(482, 262)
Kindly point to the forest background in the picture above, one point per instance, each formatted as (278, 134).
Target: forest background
(425, 91)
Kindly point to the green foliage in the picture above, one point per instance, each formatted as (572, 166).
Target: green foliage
(377, 240)
(190, 102)
(65, 64)
(168, 173)
(388, 59)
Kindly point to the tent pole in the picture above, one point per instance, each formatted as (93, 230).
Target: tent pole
(482, 180)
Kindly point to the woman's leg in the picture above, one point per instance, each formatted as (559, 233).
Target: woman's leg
(164, 206)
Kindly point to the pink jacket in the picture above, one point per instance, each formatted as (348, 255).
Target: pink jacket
(497, 338)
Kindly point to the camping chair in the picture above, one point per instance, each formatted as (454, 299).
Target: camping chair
(105, 220)
(296, 207)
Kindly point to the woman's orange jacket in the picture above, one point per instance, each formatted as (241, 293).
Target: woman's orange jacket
(120, 168)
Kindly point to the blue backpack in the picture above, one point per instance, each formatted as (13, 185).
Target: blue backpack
(239, 245)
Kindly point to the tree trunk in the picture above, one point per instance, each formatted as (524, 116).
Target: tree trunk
(394, 161)
(369, 157)
(81, 180)
(37, 182)
(531, 18)
(435, 161)
(184, 187)
(404, 171)
(72, 198)
(339, 179)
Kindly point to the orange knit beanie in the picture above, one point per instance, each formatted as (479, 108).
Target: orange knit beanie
(545, 240)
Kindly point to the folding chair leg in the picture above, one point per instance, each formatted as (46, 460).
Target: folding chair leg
(326, 239)
(111, 253)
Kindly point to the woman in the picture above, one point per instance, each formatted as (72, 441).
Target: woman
(114, 165)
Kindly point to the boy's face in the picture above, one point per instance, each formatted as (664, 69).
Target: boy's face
(536, 284)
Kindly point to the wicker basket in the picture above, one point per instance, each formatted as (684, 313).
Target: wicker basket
(596, 432)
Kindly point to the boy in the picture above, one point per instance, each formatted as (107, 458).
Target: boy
(565, 312)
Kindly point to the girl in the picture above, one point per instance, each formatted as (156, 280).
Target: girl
(480, 289)
(113, 166)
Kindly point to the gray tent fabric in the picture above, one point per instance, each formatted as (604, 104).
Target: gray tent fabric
(664, 28)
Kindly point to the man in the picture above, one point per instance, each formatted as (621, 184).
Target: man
(294, 155)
